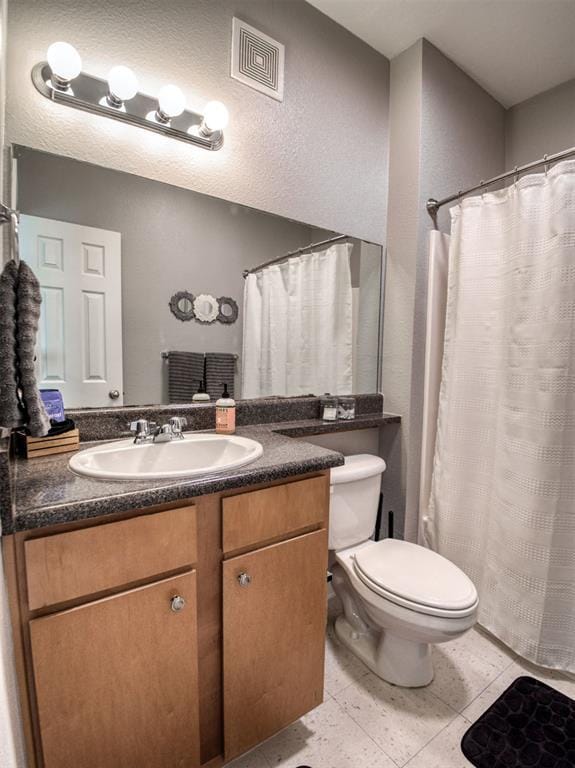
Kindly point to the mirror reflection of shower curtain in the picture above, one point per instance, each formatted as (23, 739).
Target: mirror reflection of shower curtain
(502, 504)
(297, 337)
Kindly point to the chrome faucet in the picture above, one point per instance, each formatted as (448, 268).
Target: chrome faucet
(147, 431)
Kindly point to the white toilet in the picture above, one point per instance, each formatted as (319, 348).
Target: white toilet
(398, 598)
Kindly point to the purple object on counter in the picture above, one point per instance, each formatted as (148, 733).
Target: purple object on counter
(53, 403)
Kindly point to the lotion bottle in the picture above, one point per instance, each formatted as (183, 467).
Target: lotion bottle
(201, 395)
(225, 413)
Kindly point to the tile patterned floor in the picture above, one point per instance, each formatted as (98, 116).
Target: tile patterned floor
(367, 723)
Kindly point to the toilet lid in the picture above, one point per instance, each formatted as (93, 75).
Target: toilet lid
(415, 574)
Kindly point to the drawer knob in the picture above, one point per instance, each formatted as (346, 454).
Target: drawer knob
(244, 579)
(177, 604)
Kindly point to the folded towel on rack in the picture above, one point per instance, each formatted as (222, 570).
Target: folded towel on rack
(185, 371)
(11, 415)
(220, 369)
(28, 304)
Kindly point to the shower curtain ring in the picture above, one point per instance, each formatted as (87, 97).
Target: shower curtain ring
(546, 166)
(515, 174)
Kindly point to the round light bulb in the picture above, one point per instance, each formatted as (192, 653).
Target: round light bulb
(216, 116)
(64, 61)
(171, 101)
(123, 83)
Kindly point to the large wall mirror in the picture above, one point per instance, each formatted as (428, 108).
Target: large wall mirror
(149, 288)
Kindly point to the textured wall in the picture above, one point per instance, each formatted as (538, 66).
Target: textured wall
(542, 125)
(403, 214)
(319, 157)
(449, 135)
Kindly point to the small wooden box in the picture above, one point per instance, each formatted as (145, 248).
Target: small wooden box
(33, 447)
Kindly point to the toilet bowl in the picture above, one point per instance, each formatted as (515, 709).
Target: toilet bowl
(398, 598)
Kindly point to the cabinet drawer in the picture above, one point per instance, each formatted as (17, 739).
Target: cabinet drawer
(262, 516)
(77, 563)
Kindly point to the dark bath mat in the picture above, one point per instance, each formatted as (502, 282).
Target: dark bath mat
(529, 726)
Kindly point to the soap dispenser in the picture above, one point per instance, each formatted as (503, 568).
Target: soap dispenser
(225, 413)
(201, 395)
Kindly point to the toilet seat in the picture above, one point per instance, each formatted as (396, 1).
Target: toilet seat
(414, 577)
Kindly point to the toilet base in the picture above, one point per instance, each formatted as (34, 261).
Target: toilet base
(394, 659)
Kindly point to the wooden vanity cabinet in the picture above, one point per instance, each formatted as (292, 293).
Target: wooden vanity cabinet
(171, 638)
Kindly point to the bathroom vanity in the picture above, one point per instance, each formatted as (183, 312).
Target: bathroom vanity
(172, 623)
(183, 634)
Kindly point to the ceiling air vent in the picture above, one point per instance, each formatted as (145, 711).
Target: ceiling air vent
(257, 60)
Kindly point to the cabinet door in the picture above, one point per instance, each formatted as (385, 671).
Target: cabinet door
(274, 638)
(117, 680)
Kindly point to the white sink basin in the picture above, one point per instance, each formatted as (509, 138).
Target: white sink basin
(195, 455)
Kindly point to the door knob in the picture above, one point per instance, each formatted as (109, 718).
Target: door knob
(114, 394)
(244, 579)
(177, 603)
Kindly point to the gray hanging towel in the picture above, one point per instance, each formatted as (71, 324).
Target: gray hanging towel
(220, 369)
(28, 303)
(185, 371)
(11, 415)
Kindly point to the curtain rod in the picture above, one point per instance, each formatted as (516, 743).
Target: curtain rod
(433, 206)
(296, 252)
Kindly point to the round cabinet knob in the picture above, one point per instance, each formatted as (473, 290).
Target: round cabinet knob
(244, 579)
(177, 604)
(114, 394)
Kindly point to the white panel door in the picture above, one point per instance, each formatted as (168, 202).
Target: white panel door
(80, 336)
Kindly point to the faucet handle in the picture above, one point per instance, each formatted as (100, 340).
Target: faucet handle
(141, 427)
(177, 424)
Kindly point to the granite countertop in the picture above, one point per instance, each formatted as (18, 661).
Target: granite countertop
(309, 427)
(47, 492)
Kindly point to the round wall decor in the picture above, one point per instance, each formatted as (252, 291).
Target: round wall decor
(206, 308)
(228, 313)
(182, 305)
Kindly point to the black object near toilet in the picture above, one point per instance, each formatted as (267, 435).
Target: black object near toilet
(531, 725)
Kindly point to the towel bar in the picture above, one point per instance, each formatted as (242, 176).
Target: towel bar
(166, 355)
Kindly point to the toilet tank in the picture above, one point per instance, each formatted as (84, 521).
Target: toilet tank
(354, 498)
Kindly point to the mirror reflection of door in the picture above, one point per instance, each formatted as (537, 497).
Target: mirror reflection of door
(80, 335)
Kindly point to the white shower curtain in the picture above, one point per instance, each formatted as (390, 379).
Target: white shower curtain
(502, 502)
(298, 326)
(435, 332)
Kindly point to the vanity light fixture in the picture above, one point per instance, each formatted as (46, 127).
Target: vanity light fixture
(171, 103)
(65, 64)
(61, 80)
(215, 118)
(122, 86)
